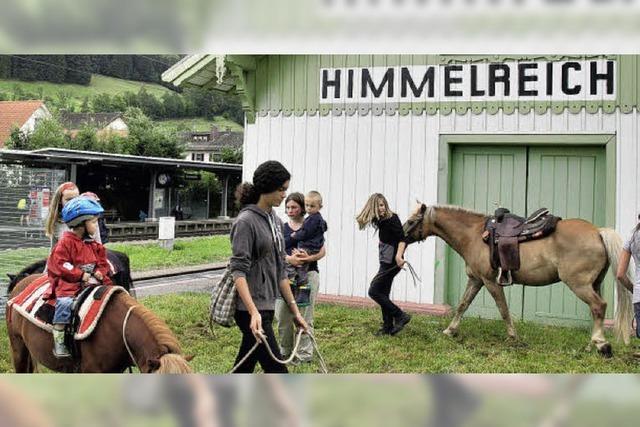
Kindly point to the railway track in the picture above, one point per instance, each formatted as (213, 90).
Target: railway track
(199, 279)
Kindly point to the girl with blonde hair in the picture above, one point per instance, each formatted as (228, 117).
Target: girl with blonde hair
(54, 227)
(376, 213)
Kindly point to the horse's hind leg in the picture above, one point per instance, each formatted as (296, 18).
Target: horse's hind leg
(497, 292)
(473, 287)
(598, 307)
(22, 360)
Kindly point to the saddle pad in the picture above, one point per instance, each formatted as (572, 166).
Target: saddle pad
(29, 301)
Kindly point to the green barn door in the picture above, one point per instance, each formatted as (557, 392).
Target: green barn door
(480, 177)
(571, 183)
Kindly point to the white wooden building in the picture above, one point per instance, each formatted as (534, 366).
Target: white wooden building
(555, 131)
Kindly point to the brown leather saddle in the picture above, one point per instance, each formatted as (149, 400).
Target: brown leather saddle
(504, 232)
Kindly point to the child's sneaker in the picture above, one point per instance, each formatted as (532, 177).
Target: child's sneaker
(59, 348)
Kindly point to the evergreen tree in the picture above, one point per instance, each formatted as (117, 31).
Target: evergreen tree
(53, 68)
(79, 68)
(144, 69)
(173, 105)
(149, 104)
(5, 67)
(24, 68)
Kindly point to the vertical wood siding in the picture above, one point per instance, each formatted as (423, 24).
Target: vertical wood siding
(348, 157)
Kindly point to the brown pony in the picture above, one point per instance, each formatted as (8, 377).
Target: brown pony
(153, 346)
(578, 253)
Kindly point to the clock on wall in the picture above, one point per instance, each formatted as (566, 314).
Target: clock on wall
(163, 179)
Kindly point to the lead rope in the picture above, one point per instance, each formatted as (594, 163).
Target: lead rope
(294, 353)
(412, 271)
(414, 275)
(124, 338)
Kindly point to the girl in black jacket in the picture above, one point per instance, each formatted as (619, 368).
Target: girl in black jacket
(376, 213)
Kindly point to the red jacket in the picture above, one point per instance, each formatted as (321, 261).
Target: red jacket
(64, 263)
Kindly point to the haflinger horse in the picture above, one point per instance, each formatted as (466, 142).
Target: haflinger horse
(128, 334)
(577, 253)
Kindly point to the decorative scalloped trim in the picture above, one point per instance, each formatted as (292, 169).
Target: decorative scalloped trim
(464, 59)
(447, 108)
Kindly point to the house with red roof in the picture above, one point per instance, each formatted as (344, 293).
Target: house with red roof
(23, 115)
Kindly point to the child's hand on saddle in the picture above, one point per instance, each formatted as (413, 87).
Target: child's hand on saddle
(98, 276)
(86, 277)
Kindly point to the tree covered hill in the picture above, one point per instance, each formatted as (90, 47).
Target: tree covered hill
(109, 83)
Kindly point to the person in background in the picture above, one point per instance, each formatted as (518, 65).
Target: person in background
(294, 205)
(23, 210)
(630, 249)
(54, 226)
(376, 213)
(308, 238)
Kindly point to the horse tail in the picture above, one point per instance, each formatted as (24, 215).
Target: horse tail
(624, 313)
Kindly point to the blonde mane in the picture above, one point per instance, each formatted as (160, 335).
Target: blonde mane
(430, 213)
(173, 364)
(455, 209)
(157, 327)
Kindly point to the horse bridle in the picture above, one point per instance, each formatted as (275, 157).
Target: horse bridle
(419, 221)
(124, 338)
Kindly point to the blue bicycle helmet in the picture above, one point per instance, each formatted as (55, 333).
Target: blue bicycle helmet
(80, 209)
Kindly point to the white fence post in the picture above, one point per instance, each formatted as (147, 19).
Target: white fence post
(166, 231)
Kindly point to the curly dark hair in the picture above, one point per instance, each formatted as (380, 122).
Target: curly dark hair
(268, 177)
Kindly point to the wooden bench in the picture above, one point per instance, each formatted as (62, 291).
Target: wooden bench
(111, 215)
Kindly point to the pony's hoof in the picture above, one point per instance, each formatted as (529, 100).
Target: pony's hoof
(450, 332)
(606, 351)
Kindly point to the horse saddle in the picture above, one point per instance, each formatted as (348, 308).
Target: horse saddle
(87, 309)
(504, 232)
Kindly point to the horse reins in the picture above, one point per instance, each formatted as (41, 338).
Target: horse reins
(263, 340)
(419, 221)
(412, 270)
(124, 338)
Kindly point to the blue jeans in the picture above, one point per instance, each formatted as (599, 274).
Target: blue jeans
(636, 310)
(62, 314)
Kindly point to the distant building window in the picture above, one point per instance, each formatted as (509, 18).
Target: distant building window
(198, 157)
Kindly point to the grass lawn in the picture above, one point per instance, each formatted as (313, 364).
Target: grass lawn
(12, 261)
(202, 250)
(346, 340)
(200, 124)
(150, 256)
(99, 84)
(345, 336)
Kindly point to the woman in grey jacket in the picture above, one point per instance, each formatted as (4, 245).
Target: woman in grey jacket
(258, 265)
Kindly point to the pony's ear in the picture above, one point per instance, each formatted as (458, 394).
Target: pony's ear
(423, 208)
(189, 358)
(154, 364)
(12, 277)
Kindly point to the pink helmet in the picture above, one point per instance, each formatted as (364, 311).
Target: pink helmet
(91, 195)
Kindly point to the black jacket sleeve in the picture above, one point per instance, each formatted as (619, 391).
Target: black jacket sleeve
(391, 230)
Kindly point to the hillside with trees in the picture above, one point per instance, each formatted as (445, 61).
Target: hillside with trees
(110, 83)
(154, 112)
